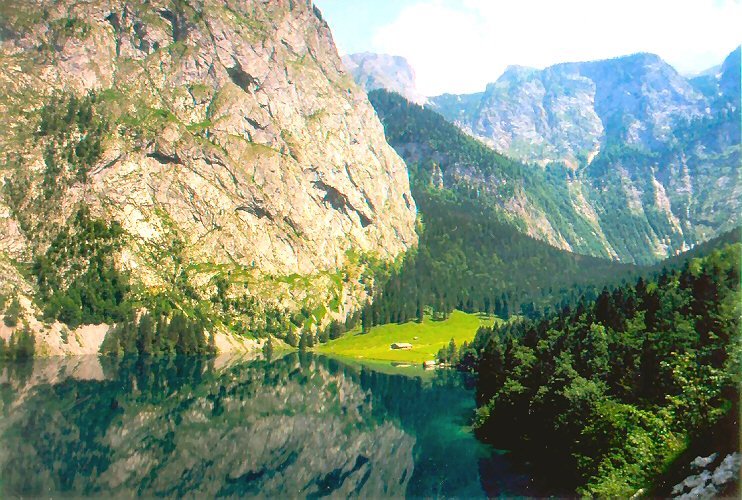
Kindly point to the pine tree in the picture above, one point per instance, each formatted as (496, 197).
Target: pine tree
(324, 335)
(12, 313)
(146, 337)
(268, 348)
(365, 321)
(291, 338)
(336, 330)
(451, 352)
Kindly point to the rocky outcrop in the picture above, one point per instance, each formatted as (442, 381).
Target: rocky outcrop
(646, 158)
(381, 71)
(231, 129)
(711, 479)
(568, 112)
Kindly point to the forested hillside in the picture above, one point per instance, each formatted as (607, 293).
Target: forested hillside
(535, 201)
(473, 254)
(629, 202)
(606, 394)
(470, 258)
(175, 151)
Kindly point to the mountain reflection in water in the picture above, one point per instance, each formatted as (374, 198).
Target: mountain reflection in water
(301, 425)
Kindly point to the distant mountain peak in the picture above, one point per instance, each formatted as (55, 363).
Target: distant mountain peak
(517, 69)
(569, 111)
(384, 71)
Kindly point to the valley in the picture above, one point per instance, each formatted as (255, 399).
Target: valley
(425, 338)
(215, 223)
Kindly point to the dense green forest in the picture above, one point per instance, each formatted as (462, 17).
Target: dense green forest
(608, 393)
(438, 153)
(158, 334)
(468, 258)
(77, 277)
(471, 255)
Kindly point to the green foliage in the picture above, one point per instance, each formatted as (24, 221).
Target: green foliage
(70, 133)
(73, 133)
(291, 338)
(21, 345)
(633, 446)
(268, 348)
(449, 354)
(12, 313)
(469, 259)
(171, 334)
(408, 123)
(77, 277)
(306, 341)
(611, 390)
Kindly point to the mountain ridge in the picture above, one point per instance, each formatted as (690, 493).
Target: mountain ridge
(374, 71)
(629, 204)
(217, 141)
(567, 111)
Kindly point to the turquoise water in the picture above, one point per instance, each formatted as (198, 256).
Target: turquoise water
(299, 426)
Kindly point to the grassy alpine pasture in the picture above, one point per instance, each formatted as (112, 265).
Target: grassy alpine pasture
(431, 336)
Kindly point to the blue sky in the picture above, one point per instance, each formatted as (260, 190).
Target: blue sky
(461, 45)
(354, 23)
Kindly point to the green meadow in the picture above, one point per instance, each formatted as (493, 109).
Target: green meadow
(426, 338)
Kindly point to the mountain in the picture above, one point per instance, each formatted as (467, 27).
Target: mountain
(568, 112)
(729, 79)
(207, 156)
(439, 154)
(381, 71)
(654, 155)
(633, 205)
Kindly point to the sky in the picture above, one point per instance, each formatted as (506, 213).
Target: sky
(458, 46)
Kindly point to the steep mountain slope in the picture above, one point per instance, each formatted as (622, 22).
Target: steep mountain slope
(634, 205)
(640, 161)
(439, 154)
(207, 140)
(381, 71)
(475, 205)
(567, 112)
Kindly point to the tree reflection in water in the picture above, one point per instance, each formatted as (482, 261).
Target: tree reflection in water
(301, 425)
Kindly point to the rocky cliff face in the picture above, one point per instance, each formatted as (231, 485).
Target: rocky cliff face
(381, 71)
(224, 137)
(568, 111)
(650, 157)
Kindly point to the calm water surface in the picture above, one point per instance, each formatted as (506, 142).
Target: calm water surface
(297, 426)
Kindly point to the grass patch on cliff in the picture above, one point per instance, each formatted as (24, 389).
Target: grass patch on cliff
(431, 337)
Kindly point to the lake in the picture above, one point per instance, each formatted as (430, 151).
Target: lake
(302, 425)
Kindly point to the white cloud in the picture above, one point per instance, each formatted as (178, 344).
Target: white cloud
(460, 46)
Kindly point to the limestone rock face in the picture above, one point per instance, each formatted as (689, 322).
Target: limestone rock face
(381, 71)
(647, 159)
(232, 124)
(567, 112)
